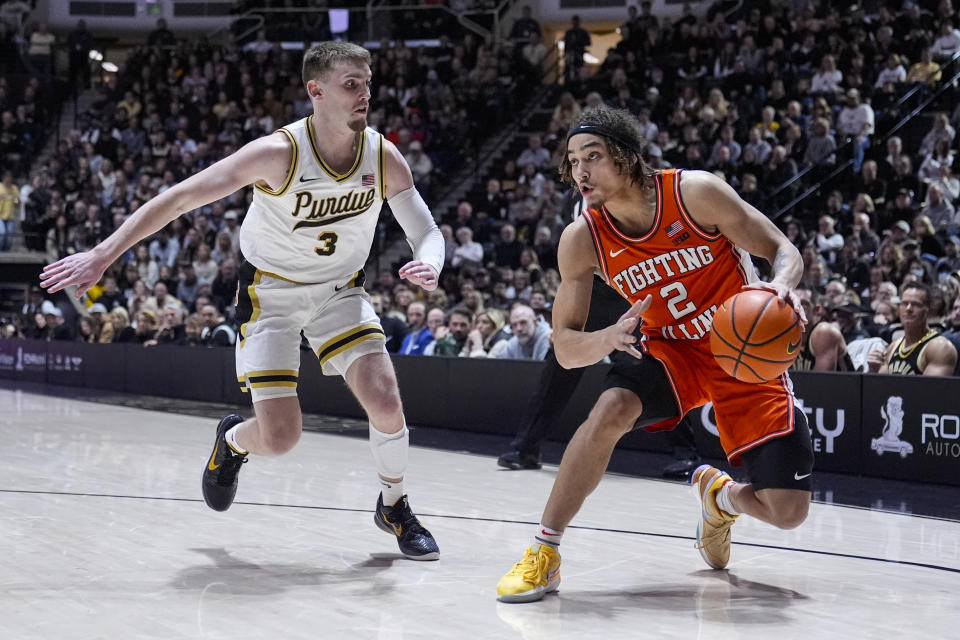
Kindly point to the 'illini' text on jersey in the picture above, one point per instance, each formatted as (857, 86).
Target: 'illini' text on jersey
(319, 225)
(688, 271)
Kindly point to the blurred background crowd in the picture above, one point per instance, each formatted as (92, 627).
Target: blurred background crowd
(838, 123)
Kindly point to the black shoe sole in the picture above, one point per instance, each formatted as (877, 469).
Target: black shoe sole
(517, 466)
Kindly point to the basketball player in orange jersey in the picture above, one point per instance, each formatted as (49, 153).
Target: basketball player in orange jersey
(672, 243)
(319, 185)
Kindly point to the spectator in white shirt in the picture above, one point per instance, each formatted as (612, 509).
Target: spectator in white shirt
(827, 79)
(420, 165)
(893, 72)
(947, 45)
(942, 130)
(535, 153)
(856, 118)
(856, 122)
(469, 253)
(827, 241)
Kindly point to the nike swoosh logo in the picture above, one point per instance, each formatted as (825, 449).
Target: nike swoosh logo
(791, 347)
(211, 465)
(550, 534)
(340, 287)
(614, 254)
(797, 476)
(302, 179)
(397, 528)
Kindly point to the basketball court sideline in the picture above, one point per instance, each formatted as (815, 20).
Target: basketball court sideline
(106, 536)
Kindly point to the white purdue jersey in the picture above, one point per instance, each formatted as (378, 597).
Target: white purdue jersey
(319, 225)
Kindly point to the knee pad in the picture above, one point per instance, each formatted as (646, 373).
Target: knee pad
(390, 451)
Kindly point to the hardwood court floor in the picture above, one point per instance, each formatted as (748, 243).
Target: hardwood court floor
(105, 536)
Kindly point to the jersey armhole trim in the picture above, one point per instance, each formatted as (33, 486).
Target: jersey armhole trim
(697, 229)
(597, 246)
(291, 170)
(382, 170)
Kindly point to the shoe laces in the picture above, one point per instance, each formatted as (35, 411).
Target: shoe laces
(533, 566)
(229, 468)
(404, 515)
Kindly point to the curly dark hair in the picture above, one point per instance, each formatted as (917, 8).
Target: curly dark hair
(626, 127)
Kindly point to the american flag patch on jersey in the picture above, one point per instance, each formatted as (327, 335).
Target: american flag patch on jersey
(674, 229)
(367, 180)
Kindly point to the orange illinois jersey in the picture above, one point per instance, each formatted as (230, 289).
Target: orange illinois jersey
(688, 271)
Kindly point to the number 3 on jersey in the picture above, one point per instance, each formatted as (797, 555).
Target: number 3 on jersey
(675, 293)
(328, 244)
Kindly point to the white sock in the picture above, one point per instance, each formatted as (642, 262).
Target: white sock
(390, 456)
(546, 535)
(391, 492)
(724, 501)
(231, 438)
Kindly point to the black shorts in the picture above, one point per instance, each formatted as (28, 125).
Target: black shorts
(648, 380)
(782, 463)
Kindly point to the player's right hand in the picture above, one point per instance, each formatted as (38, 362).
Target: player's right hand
(81, 269)
(620, 335)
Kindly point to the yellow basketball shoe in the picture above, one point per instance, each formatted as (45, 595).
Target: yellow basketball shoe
(533, 577)
(713, 529)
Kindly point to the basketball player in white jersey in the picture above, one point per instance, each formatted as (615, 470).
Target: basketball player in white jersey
(319, 186)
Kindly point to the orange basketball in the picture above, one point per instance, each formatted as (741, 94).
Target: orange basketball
(755, 337)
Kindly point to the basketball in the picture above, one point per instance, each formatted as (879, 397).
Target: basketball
(754, 336)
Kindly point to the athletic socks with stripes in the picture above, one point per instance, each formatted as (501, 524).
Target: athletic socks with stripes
(546, 535)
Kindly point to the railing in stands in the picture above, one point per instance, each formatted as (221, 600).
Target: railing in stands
(549, 75)
(879, 139)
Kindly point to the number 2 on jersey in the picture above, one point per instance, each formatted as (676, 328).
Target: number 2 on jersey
(675, 293)
(328, 241)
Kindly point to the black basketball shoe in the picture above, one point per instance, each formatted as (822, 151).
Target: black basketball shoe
(220, 474)
(414, 541)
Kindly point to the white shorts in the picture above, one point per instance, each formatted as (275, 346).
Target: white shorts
(336, 318)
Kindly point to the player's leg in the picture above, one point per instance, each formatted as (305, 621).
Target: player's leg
(780, 471)
(357, 352)
(588, 454)
(778, 492)
(271, 312)
(639, 388)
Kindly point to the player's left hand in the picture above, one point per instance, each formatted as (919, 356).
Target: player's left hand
(421, 274)
(785, 293)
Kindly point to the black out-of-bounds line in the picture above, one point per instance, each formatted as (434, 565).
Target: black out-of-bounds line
(649, 534)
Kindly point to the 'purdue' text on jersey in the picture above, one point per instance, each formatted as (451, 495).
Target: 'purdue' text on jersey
(318, 226)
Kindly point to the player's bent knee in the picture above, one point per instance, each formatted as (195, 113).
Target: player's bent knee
(791, 513)
(279, 439)
(615, 413)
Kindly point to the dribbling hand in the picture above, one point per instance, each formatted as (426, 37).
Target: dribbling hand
(620, 335)
(420, 274)
(785, 293)
(81, 269)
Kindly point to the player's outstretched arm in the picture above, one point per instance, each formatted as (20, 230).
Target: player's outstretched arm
(415, 219)
(265, 159)
(573, 346)
(714, 204)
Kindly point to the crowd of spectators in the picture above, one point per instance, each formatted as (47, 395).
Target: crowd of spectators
(756, 98)
(178, 106)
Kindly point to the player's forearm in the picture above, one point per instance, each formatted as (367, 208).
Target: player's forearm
(787, 265)
(575, 349)
(146, 221)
